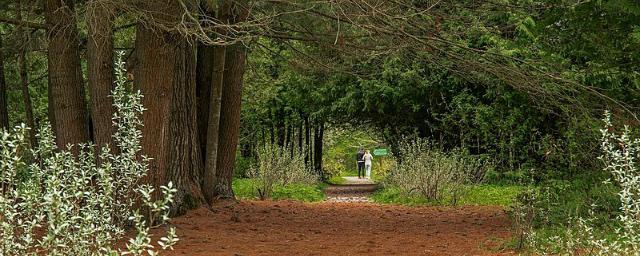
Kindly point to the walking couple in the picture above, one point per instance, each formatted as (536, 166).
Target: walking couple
(364, 159)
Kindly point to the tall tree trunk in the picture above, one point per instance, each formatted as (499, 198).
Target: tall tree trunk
(317, 148)
(165, 73)
(100, 71)
(272, 135)
(213, 123)
(26, 97)
(290, 136)
(204, 82)
(4, 113)
(307, 139)
(287, 134)
(229, 120)
(230, 117)
(280, 128)
(211, 129)
(300, 135)
(65, 78)
(24, 79)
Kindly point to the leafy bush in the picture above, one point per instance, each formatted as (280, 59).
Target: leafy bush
(243, 166)
(435, 175)
(79, 205)
(277, 165)
(524, 213)
(620, 154)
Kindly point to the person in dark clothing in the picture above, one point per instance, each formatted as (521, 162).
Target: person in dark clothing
(360, 160)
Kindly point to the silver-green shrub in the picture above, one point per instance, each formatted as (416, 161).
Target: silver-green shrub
(424, 170)
(55, 203)
(620, 153)
(278, 165)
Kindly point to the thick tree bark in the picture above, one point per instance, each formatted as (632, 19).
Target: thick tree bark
(4, 113)
(100, 71)
(229, 120)
(65, 78)
(165, 73)
(204, 82)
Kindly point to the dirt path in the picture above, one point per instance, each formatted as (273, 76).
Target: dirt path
(354, 190)
(294, 228)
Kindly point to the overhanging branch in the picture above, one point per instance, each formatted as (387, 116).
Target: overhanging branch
(34, 25)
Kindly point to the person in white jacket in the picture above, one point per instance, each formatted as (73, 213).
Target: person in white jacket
(368, 159)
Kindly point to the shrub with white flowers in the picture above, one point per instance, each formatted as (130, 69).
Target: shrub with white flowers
(620, 154)
(53, 202)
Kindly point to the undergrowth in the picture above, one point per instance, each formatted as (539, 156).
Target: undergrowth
(476, 195)
(248, 189)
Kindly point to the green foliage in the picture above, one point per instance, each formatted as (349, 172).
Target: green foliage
(299, 192)
(558, 201)
(279, 166)
(342, 145)
(425, 170)
(248, 189)
(620, 153)
(245, 188)
(83, 203)
(502, 195)
(539, 129)
(243, 166)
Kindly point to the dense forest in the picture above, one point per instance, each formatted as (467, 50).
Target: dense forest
(519, 86)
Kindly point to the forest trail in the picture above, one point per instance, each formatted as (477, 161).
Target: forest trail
(352, 190)
(295, 228)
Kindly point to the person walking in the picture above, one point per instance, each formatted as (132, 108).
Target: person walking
(368, 159)
(360, 161)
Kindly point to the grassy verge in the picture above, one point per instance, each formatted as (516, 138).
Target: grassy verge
(336, 180)
(248, 189)
(476, 195)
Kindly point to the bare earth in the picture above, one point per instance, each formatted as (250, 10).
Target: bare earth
(294, 228)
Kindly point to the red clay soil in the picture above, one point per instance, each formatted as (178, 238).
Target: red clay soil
(293, 228)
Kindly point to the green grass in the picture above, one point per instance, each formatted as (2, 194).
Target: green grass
(248, 189)
(503, 195)
(336, 180)
(476, 195)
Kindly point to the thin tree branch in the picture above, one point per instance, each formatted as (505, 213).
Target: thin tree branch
(29, 24)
